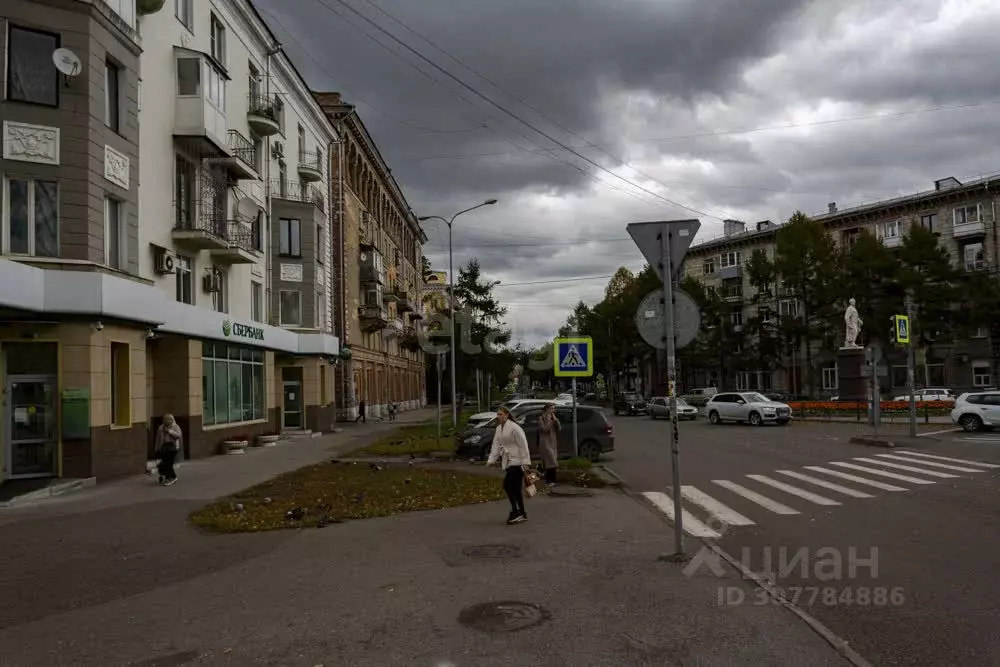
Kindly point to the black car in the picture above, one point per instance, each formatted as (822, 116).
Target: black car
(595, 433)
(630, 403)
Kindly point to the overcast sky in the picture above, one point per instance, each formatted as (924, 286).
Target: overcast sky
(733, 108)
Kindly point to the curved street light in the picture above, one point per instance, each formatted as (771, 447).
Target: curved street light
(451, 296)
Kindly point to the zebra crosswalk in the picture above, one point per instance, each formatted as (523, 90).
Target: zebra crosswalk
(709, 516)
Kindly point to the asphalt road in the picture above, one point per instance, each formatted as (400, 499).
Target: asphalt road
(933, 530)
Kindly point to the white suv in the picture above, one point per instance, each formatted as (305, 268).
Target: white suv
(976, 410)
(748, 406)
(929, 394)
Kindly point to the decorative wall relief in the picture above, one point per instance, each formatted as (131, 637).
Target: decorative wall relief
(291, 273)
(30, 143)
(116, 167)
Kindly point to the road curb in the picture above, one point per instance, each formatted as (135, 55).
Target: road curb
(871, 441)
(610, 476)
(839, 645)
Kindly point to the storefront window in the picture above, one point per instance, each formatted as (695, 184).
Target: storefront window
(232, 384)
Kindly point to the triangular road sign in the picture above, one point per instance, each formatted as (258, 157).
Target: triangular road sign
(646, 236)
(573, 359)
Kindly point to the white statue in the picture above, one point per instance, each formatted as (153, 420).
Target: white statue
(852, 324)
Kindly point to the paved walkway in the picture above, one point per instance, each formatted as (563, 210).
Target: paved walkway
(116, 576)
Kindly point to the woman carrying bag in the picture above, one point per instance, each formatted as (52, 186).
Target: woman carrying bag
(548, 442)
(510, 447)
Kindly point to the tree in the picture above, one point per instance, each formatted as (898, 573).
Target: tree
(479, 322)
(763, 329)
(425, 267)
(806, 263)
(870, 275)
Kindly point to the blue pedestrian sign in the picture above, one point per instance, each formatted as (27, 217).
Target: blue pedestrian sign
(902, 323)
(574, 357)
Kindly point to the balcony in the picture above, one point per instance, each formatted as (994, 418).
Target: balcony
(404, 303)
(300, 192)
(200, 102)
(310, 166)
(409, 340)
(733, 294)
(206, 230)
(891, 241)
(373, 318)
(735, 271)
(417, 313)
(389, 295)
(967, 230)
(242, 161)
(262, 115)
(243, 245)
(976, 265)
(394, 328)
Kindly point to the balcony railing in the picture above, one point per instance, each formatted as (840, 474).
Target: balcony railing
(298, 191)
(310, 166)
(205, 220)
(243, 149)
(263, 115)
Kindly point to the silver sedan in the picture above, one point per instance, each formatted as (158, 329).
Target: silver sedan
(660, 407)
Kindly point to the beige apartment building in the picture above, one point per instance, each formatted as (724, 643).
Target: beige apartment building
(963, 215)
(378, 306)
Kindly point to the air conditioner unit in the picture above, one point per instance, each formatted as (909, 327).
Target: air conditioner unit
(165, 262)
(212, 282)
(279, 149)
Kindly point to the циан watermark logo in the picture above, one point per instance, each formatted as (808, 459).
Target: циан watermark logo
(227, 328)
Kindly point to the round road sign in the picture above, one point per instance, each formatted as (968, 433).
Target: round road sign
(649, 319)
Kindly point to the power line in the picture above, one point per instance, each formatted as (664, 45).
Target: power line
(527, 104)
(558, 280)
(513, 115)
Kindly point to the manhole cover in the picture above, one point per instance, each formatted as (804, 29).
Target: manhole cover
(492, 551)
(505, 616)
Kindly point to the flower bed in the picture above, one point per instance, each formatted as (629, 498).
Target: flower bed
(848, 408)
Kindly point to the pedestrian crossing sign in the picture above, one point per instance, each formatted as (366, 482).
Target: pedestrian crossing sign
(902, 323)
(574, 357)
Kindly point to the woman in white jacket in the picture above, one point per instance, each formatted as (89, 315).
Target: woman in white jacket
(510, 447)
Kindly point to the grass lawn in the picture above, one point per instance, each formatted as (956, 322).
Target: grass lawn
(417, 439)
(578, 472)
(334, 492)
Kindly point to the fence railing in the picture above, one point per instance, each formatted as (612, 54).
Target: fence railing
(243, 149)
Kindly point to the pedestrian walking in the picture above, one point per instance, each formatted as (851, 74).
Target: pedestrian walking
(548, 442)
(510, 448)
(168, 444)
(361, 413)
(392, 412)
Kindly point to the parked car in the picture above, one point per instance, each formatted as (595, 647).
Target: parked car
(699, 397)
(930, 394)
(975, 411)
(595, 433)
(629, 403)
(659, 407)
(564, 399)
(748, 406)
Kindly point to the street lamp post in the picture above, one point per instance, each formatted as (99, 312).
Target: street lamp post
(451, 296)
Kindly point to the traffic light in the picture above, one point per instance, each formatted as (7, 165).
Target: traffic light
(892, 329)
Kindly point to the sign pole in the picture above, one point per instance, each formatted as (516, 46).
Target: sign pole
(911, 368)
(576, 440)
(440, 360)
(668, 334)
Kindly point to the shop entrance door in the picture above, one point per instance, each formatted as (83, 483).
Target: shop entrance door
(291, 409)
(30, 421)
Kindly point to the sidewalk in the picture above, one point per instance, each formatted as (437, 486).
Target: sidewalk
(384, 592)
(215, 476)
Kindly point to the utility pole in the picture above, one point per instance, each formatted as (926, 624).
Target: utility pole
(440, 363)
(668, 334)
(911, 368)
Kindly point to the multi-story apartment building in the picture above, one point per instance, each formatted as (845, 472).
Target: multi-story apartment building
(143, 243)
(963, 215)
(378, 299)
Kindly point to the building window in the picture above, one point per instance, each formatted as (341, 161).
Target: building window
(320, 310)
(114, 238)
(232, 384)
(736, 318)
(258, 152)
(218, 46)
(256, 301)
(112, 104)
(256, 237)
(734, 258)
(32, 224)
(188, 77)
(765, 314)
(282, 179)
(121, 385)
(215, 82)
(972, 255)
(125, 10)
(184, 11)
(888, 230)
(302, 144)
(184, 174)
(981, 375)
(830, 377)
(290, 308)
(31, 76)
(220, 297)
(253, 81)
(899, 376)
(788, 308)
(320, 247)
(324, 390)
(183, 275)
(966, 214)
(289, 237)
(929, 221)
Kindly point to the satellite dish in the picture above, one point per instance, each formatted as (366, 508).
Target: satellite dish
(246, 209)
(66, 62)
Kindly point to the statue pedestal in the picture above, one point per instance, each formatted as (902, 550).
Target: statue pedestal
(853, 383)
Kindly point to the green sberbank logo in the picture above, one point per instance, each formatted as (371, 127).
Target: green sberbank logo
(242, 331)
